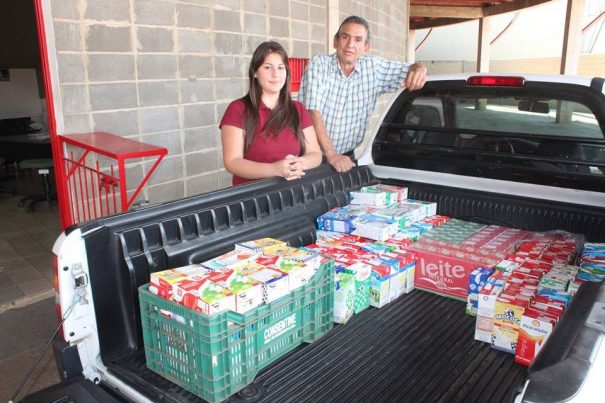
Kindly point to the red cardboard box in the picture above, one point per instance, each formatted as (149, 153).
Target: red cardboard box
(444, 275)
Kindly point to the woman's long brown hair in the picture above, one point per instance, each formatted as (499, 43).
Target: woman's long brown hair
(284, 114)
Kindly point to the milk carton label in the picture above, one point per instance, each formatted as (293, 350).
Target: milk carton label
(533, 333)
(380, 287)
(275, 283)
(230, 259)
(344, 297)
(204, 296)
(372, 197)
(263, 245)
(362, 273)
(409, 277)
(506, 324)
(443, 275)
(248, 293)
(486, 305)
(162, 283)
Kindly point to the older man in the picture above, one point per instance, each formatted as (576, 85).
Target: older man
(340, 90)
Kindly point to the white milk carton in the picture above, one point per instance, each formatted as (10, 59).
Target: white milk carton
(380, 286)
(486, 307)
(369, 196)
(362, 273)
(231, 260)
(275, 283)
(374, 227)
(248, 292)
(410, 271)
(263, 245)
(344, 297)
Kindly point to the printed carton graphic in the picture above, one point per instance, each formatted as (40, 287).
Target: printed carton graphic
(230, 260)
(163, 283)
(204, 296)
(274, 283)
(263, 245)
(362, 273)
(248, 293)
(369, 196)
(344, 297)
(380, 285)
(443, 275)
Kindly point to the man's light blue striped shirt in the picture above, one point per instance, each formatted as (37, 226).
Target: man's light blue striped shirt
(346, 103)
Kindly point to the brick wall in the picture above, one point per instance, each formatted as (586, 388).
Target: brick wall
(163, 71)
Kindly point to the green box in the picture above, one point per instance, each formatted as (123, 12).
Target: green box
(344, 297)
(362, 273)
(216, 356)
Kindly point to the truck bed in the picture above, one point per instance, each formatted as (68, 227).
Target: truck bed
(418, 348)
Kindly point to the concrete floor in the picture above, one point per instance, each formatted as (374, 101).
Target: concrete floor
(27, 311)
(26, 240)
(23, 335)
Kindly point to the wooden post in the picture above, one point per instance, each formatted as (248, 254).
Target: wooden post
(483, 44)
(572, 48)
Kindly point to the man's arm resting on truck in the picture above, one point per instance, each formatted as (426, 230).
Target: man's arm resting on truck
(341, 163)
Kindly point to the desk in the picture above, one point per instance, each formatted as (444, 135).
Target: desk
(23, 147)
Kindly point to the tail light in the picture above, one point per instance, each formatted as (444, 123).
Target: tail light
(496, 81)
(55, 263)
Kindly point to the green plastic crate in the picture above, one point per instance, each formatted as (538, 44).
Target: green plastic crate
(216, 356)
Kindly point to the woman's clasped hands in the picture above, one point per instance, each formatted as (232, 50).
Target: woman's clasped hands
(291, 167)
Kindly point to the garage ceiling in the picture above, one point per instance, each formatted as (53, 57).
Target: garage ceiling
(436, 13)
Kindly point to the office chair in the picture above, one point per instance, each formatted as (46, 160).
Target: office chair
(43, 165)
(6, 189)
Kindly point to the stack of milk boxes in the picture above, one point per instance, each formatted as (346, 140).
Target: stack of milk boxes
(366, 273)
(366, 240)
(518, 303)
(255, 272)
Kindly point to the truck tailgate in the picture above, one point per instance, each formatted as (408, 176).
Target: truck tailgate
(418, 348)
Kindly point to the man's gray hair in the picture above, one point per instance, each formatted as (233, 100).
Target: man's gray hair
(354, 20)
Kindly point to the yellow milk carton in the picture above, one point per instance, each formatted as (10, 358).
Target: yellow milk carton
(264, 245)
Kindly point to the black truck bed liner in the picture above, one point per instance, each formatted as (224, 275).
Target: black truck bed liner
(418, 348)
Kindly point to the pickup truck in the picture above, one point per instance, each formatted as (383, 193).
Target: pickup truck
(520, 151)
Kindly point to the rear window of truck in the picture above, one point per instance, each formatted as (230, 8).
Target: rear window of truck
(549, 134)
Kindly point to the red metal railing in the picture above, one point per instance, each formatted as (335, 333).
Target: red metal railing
(95, 173)
(297, 68)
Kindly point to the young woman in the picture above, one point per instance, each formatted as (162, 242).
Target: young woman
(266, 133)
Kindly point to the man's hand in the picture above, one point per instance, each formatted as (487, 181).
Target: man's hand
(416, 77)
(341, 163)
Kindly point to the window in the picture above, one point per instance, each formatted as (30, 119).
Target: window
(546, 134)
